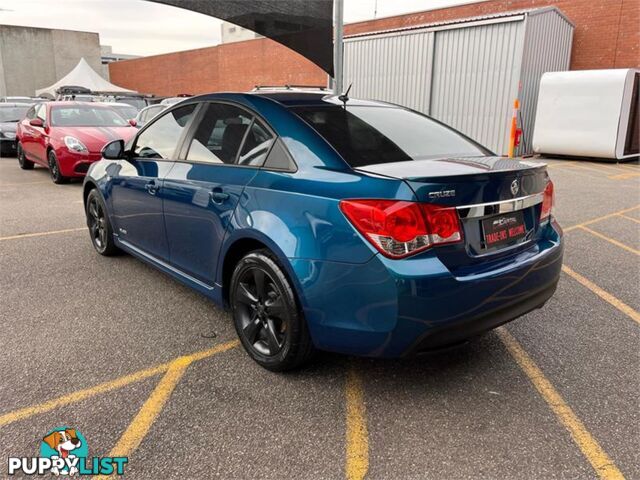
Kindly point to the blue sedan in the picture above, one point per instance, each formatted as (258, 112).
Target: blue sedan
(329, 223)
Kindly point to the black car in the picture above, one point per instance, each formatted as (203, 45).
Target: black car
(10, 115)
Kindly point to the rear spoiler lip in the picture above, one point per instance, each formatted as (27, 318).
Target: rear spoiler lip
(382, 169)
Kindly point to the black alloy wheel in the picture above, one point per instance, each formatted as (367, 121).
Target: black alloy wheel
(54, 168)
(265, 313)
(99, 226)
(22, 158)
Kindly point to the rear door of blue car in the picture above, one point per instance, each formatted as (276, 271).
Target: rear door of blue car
(224, 149)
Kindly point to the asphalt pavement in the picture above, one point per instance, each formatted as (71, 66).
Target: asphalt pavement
(148, 369)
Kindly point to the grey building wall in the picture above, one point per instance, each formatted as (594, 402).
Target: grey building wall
(466, 73)
(547, 48)
(380, 72)
(476, 80)
(33, 58)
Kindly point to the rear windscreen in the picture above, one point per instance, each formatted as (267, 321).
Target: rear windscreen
(367, 135)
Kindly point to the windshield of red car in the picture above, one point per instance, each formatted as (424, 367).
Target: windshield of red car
(86, 116)
(125, 111)
(13, 114)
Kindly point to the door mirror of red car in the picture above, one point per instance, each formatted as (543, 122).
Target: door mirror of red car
(114, 150)
(133, 123)
(36, 122)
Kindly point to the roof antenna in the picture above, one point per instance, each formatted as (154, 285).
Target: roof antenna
(344, 98)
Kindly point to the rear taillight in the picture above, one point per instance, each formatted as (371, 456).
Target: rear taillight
(548, 201)
(399, 229)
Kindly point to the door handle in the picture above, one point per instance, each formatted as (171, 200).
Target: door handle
(218, 196)
(152, 187)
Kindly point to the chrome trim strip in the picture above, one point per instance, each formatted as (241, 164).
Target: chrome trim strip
(504, 206)
(164, 265)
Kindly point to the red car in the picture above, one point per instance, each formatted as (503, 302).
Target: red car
(66, 137)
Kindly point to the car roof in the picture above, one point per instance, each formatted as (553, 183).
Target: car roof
(293, 98)
(114, 104)
(70, 103)
(13, 105)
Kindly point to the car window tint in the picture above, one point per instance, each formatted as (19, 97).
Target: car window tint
(161, 138)
(219, 135)
(279, 158)
(31, 114)
(371, 135)
(256, 145)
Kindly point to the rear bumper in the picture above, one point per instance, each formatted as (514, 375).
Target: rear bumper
(387, 308)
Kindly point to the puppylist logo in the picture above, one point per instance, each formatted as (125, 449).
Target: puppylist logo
(64, 451)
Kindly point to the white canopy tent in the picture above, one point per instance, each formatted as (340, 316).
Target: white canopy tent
(83, 76)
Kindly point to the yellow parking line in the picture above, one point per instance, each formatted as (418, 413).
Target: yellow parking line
(80, 395)
(606, 296)
(598, 219)
(41, 234)
(600, 461)
(564, 164)
(624, 176)
(139, 427)
(629, 218)
(357, 448)
(18, 184)
(610, 240)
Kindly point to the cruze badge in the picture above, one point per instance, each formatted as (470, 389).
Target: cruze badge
(442, 194)
(515, 188)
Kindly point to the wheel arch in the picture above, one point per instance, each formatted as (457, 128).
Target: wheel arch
(241, 244)
(86, 188)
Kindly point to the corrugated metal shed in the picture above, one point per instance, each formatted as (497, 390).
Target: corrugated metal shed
(465, 72)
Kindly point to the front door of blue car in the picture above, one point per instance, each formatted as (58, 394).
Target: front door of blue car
(137, 184)
(222, 152)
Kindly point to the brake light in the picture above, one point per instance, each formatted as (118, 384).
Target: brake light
(548, 201)
(399, 229)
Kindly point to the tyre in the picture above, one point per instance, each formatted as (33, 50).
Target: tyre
(269, 323)
(54, 168)
(22, 159)
(99, 225)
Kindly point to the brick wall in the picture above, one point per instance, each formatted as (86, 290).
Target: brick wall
(607, 35)
(234, 66)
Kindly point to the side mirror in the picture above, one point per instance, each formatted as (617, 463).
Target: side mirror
(36, 122)
(114, 150)
(133, 123)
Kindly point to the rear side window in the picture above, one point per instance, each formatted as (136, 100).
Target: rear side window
(373, 135)
(256, 145)
(161, 138)
(279, 158)
(220, 134)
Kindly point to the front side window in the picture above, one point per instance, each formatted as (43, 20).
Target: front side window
(219, 135)
(368, 135)
(161, 138)
(84, 116)
(41, 112)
